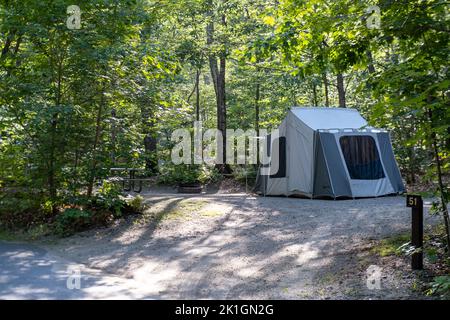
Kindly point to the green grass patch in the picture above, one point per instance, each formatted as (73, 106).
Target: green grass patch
(390, 246)
(8, 235)
(33, 233)
(211, 213)
(185, 209)
(440, 286)
(427, 194)
(180, 210)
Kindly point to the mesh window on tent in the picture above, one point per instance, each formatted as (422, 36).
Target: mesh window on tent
(361, 157)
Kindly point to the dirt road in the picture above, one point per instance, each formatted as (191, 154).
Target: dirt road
(234, 246)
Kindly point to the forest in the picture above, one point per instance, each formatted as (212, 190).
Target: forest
(86, 86)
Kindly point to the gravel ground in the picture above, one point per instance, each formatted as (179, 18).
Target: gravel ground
(28, 272)
(236, 246)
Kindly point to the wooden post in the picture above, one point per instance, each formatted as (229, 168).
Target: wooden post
(416, 203)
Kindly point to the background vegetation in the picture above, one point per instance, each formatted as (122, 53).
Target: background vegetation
(74, 103)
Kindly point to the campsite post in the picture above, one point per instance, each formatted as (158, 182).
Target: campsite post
(416, 204)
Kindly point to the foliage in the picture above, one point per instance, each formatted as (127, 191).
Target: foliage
(186, 174)
(440, 286)
(63, 90)
(19, 210)
(36, 218)
(136, 203)
(108, 197)
(392, 245)
(245, 173)
(107, 204)
(74, 103)
(72, 220)
(402, 68)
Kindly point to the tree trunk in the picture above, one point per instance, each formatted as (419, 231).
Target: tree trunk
(221, 103)
(211, 58)
(150, 141)
(341, 90)
(314, 87)
(257, 97)
(53, 134)
(7, 45)
(325, 84)
(442, 191)
(197, 95)
(51, 167)
(370, 65)
(218, 78)
(447, 141)
(113, 136)
(441, 185)
(150, 145)
(17, 46)
(411, 169)
(411, 179)
(74, 172)
(7, 49)
(93, 172)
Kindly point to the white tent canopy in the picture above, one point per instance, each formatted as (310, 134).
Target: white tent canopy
(330, 118)
(329, 152)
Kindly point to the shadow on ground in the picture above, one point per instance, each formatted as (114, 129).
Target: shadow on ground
(254, 248)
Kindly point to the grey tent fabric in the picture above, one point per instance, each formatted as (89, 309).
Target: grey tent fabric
(280, 157)
(329, 152)
(340, 184)
(322, 182)
(387, 154)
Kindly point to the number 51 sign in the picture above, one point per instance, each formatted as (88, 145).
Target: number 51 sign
(413, 201)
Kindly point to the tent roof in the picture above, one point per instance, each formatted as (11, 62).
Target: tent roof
(330, 118)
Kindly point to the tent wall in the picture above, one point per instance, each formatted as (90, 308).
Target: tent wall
(262, 178)
(261, 182)
(276, 184)
(316, 163)
(391, 168)
(298, 178)
(334, 161)
(300, 157)
(322, 182)
(375, 187)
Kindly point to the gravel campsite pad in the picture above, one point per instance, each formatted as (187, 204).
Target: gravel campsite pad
(237, 246)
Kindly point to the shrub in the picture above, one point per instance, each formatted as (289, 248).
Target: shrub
(136, 203)
(73, 220)
(33, 213)
(440, 286)
(243, 174)
(22, 210)
(183, 173)
(209, 174)
(109, 197)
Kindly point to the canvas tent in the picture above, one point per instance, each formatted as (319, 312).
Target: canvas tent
(328, 152)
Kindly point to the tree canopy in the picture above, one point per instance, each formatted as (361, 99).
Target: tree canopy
(75, 102)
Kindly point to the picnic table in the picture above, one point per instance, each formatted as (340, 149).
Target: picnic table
(131, 180)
